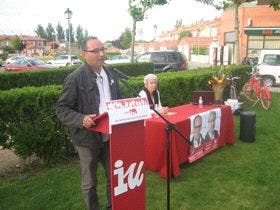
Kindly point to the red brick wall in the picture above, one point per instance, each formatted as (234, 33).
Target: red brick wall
(262, 16)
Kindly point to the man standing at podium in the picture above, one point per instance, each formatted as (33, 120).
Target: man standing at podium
(83, 96)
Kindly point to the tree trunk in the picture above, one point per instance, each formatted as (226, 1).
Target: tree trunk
(133, 40)
(236, 31)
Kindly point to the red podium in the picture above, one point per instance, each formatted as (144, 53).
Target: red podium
(127, 153)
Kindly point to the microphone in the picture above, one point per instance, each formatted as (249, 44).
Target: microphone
(120, 74)
(123, 78)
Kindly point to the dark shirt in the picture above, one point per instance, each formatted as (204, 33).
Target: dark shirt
(196, 143)
(214, 136)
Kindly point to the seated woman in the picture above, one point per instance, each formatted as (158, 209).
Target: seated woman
(152, 94)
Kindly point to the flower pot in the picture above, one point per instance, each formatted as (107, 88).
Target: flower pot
(218, 92)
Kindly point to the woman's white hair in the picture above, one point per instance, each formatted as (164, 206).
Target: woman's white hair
(149, 77)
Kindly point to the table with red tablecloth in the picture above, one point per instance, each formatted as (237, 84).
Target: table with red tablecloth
(155, 136)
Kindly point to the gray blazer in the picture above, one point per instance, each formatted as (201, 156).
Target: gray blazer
(80, 97)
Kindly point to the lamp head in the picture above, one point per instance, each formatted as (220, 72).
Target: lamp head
(68, 13)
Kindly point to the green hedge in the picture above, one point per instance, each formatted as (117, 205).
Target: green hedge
(111, 54)
(176, 87)
(4, 56)
(10, 80)
(29, 125)
(135, 69)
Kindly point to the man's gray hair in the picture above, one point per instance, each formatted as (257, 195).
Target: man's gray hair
(84, 42)
(149, 77)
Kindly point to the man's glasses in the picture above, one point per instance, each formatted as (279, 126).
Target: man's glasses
(96, 50)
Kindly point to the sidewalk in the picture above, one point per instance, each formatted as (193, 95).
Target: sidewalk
(275, 89)
(194, 65)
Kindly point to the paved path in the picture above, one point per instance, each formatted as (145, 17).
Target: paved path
(275, 89)
(9, 162)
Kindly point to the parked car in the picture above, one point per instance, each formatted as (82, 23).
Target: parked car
(118, 59)
(27, 64)
(65, 60)
(164, 60)
(269, 67)
(15, 58)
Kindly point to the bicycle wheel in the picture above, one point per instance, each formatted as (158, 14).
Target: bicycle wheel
(265, 98)
(249, 92)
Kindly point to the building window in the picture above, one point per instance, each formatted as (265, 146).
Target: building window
(230, 36)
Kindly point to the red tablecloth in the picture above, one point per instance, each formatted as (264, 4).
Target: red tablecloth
(155, 137)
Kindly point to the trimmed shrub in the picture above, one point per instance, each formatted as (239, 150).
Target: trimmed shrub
(29, 125)
(111, 54)
(176, 87)
(10, 80)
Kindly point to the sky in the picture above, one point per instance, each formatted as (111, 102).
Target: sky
(106, 19)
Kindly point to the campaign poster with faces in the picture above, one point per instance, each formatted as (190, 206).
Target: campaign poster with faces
(205, 132)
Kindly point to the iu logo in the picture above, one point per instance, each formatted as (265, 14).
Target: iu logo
(132, 181)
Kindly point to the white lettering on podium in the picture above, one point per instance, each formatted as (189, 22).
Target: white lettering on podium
(132, 182)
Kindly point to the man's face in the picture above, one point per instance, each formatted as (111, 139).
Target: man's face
(197, 127)
(95, 53)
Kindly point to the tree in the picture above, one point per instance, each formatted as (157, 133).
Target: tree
(17, 44)
(275, 4)
(50, 32)
(117, 43)
(108, 44)
(137, 10)
(40, 32)
(185, 33)
(179, 24)
(79, 35)
(59, 32)
(125, 39)
(86, 33)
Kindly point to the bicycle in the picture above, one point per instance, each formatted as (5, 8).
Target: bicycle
(233, 100)
(233, 88)
(255, 91)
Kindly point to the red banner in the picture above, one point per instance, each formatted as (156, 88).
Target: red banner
(127, 166)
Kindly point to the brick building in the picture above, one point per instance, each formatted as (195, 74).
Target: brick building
(259, 27)
(34, 46)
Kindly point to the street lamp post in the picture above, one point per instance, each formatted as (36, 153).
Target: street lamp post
(53, 36)
(140, 32)
(197, 33)
(155, 29)
(68, 15)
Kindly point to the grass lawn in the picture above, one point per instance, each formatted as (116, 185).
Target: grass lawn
(241, 176)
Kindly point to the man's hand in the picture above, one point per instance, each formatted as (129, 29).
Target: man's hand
(88, 121)
(164, 110)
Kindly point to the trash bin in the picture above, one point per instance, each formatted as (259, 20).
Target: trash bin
(247, 126)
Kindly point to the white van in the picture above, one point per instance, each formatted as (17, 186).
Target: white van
(269, 67)
(65, 60)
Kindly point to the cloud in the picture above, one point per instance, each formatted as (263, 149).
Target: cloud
(106, 19)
